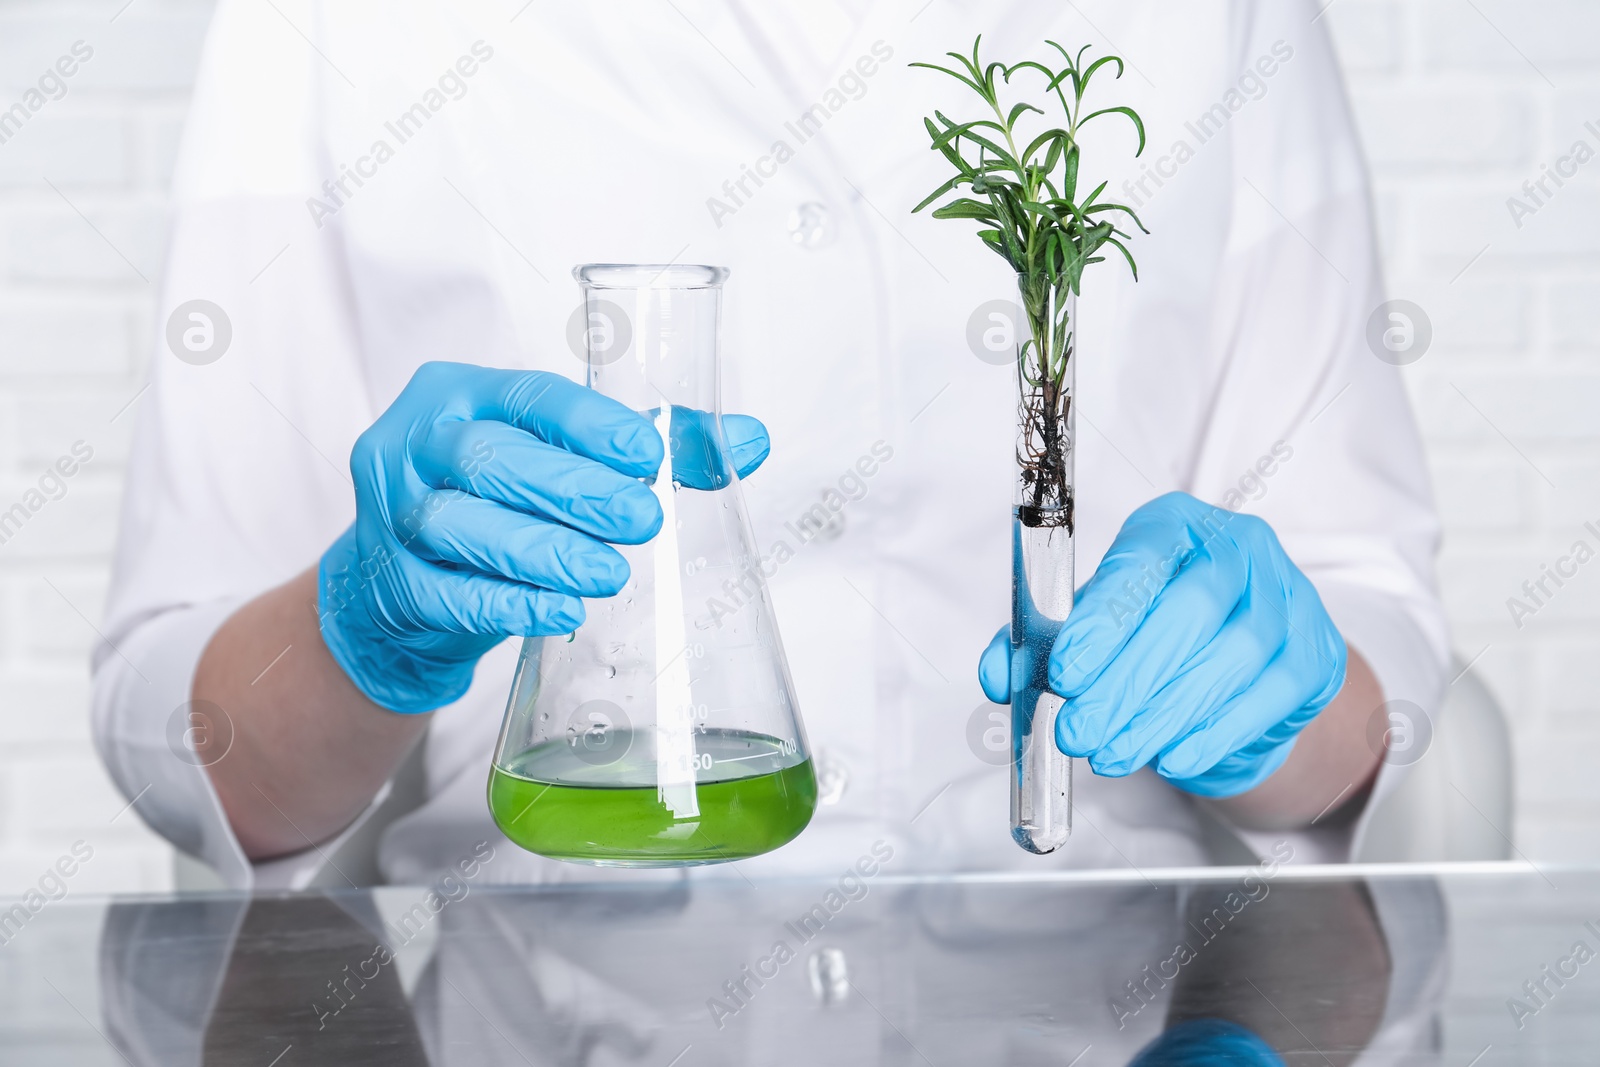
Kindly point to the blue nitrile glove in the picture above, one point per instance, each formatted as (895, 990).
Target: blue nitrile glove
(483, 501)
(1207, 1043)
(1197, 645)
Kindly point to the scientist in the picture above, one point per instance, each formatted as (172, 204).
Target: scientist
(377, 206)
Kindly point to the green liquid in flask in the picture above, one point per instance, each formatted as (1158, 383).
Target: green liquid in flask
(561, 801)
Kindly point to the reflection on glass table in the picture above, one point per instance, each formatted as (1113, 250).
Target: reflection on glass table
(1242, 966)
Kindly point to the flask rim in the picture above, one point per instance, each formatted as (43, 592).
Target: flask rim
(650, 275)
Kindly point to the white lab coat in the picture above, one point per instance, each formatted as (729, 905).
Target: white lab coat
(604, 133)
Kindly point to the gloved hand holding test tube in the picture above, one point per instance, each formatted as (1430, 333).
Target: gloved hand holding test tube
(1198, 647)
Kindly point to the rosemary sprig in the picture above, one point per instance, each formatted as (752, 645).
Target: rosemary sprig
(1030, 213)
(1026, 204)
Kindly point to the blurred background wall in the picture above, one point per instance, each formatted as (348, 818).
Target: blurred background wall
(1459, 103)
(82, 226)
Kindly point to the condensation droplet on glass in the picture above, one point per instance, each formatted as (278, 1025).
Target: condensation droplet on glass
(611, 672)
(811, 225)
(830, 975)
(832, 777)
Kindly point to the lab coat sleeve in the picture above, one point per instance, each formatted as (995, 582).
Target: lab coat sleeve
(239, 474)
(1310, 430)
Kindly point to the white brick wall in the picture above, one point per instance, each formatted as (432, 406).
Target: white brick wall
(1454, 120)
(73, 316)
(1458, 105)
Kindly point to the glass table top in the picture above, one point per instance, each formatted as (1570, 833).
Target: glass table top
(1483, 965)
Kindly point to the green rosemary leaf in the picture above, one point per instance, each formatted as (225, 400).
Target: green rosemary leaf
(992, 146)
(1117, 207)
(1097, 64)
(1029, 64)
(1071, 71)
(988, 78)
(965, 209)
(1138, 123)
(993, 182)
(975, 65)
(1016, 113)
(949, 151)
(937, 193)
(1053, 138)
(1043, 209)
(1051, 158)
(965, 130)
(946, 70)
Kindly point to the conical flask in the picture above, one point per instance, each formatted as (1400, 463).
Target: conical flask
(664, 731)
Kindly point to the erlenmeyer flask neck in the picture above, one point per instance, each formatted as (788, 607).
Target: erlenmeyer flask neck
(653, 333)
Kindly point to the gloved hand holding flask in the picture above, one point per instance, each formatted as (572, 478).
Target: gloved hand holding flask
(485, 499)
